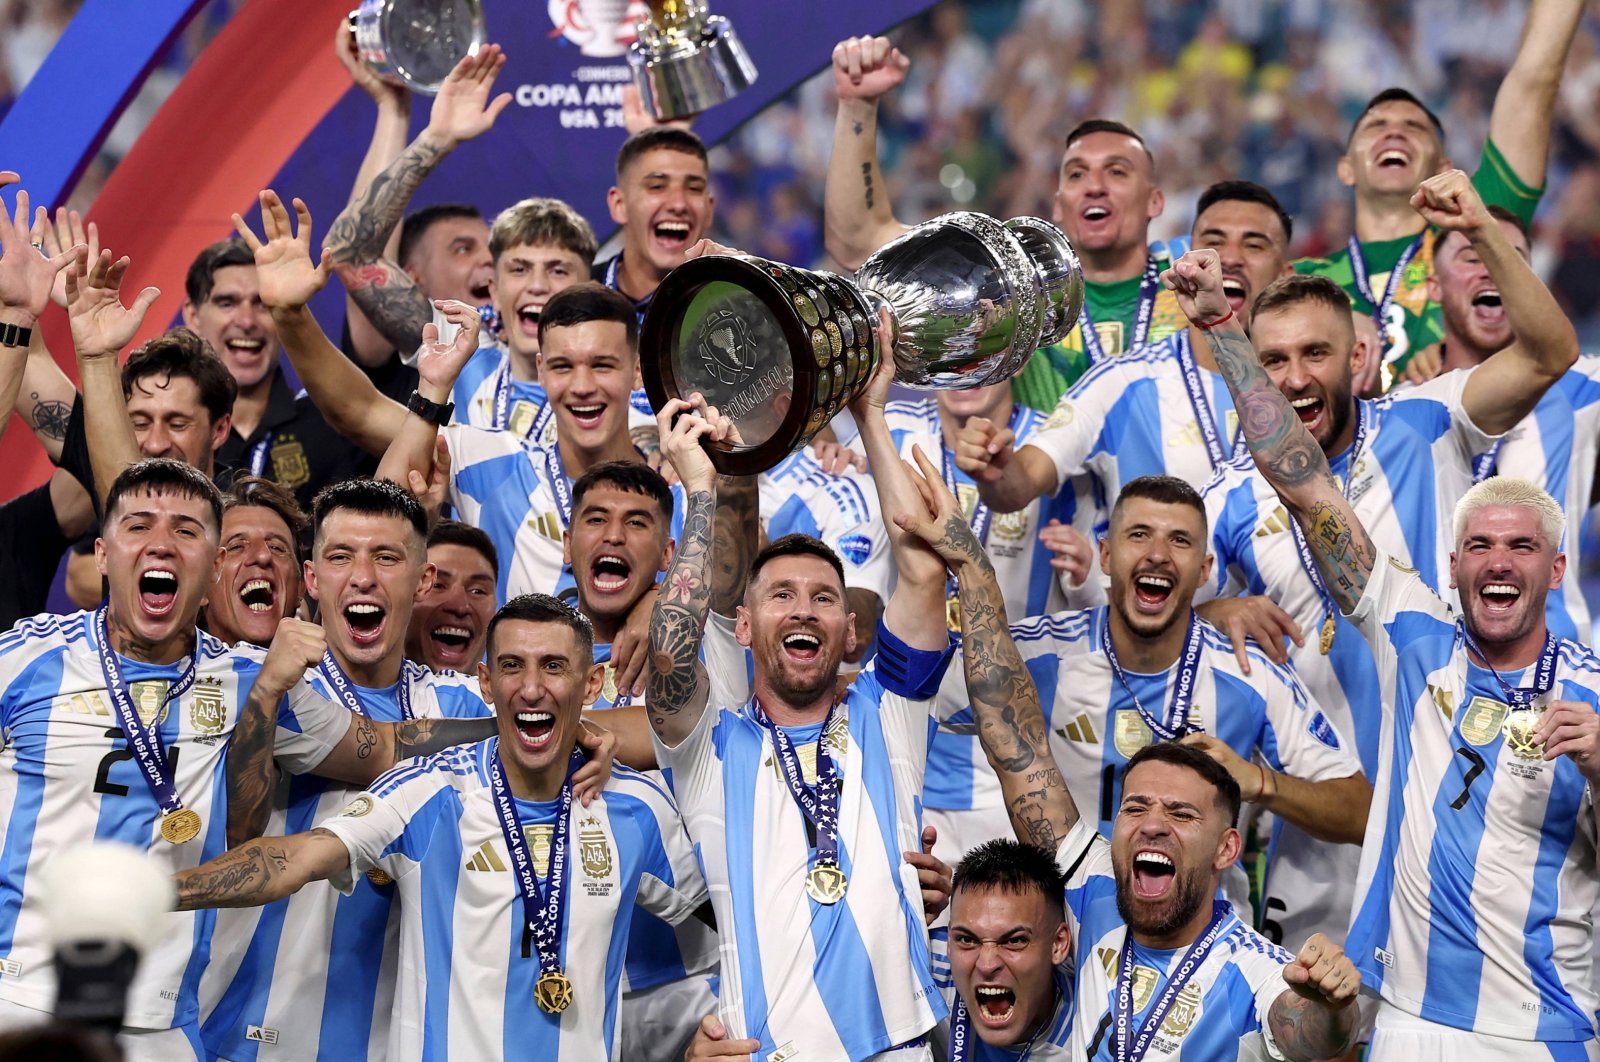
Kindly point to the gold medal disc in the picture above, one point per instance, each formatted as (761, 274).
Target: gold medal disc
(553, 992)
(826, 884)
(952, 613)
(180, 827)
(379, 877)
(1325, 642)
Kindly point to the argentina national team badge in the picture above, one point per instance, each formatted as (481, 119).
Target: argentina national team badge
(1482, 720)
(207, 715)
(1185, 1010)
(289, 465)
(1130, 733)
(594, 850)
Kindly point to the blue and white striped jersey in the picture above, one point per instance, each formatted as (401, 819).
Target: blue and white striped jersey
(798, 497)
(312, 976)
(476, 395)
(823, 982)
(68, 777)
(507, 488)
(464, 989)
(1478, 874)
(1221, 1012)
(1052, 1042)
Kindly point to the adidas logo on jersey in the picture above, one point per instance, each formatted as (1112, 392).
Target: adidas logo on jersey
(1277, 523)
(547, 524)
(486, 858)
(1080, 730)
(260, 1035)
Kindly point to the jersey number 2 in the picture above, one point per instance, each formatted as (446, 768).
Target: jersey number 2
(102, 778)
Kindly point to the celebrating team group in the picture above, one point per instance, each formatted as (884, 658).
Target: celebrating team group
(474, 715)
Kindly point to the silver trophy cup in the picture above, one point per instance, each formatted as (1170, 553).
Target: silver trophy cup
(416, 43)
(780, 350)
(686, 60)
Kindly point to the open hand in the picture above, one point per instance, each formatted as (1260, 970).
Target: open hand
(101, 325)
(26, 276)
(284, 267)
(463, 110)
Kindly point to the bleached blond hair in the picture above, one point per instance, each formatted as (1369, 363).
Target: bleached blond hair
(1511, 491)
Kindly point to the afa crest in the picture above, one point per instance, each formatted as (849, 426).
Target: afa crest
(594, 850)
(207, 713)
(289, 465)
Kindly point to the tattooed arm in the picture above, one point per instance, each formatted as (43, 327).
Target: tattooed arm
(384, 292)
(735, 539)
(261, 871)
(857, 218)
(1284, 449)
(370, 748)
(1315, 1017)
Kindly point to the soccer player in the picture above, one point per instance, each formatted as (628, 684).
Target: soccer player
(801, 801)
(663, 202)
(1105, 201)
(450, 621)
(1478, 872)
(120, 723)
(259, 578)
(1160, 963)
(1397, 142)
(513, 898)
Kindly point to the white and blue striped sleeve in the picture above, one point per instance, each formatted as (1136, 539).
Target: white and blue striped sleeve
(1302, 739)
(671, 886)
(394, 818)
(1072, 432)
(309, 728)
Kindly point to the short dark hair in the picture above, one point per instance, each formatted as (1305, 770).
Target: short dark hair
(418, 222)
(1014, 867)
(542, 608)
(1165, 490)
(1107, 125)
(1390, 95)
(202, 274)
(255, 492)
(589, 301)
(163, 476)
(635, 477)
(670, 138)
(1244, 192)
(796, 545)
(1297, 288)
(371, 497)
(182, 353)
(456, 533)
(1198, 761)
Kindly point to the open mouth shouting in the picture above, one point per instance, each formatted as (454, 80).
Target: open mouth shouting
(365, 622)
(1499, 598)
(158, 591)
(1488, 308)
(1309, 409)
(995, 1005)
(1151, 591)
(802, 647)
(609, 573)
(244, 350)
(672, 235)
(1154, 873)
(1095, 215)
(587, 416)
(536, 729)
(1392, 157)
(258, 595)
(450, 643)
(1235, 291)
(527, 320)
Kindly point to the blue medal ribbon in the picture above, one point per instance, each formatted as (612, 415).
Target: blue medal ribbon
(1149, 286)
(819, 804)
(1330, 608)
(556, 471)
(1176, 724)
(1188, 966)
(1488, 463)
(143, 741)
(1363, 282)
(542, 910)
(1544, 671)
(259, 452)
(1195, 385)
(345, 690)
(502, 406)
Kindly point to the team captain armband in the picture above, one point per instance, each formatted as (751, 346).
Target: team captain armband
(911, 673)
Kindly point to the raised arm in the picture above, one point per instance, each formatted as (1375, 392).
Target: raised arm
(390, 299)
(1005, 702)
(26, 279)
(1283, 448)
(1008, 479)
(251, 776)
(438, 365)
(262, 870)
(1506, 387)
(101, 327)
(1314, 1017)
(1525, 103)
(856, 215)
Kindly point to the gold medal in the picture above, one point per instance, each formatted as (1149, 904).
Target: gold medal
(952, 613)
(1325, 642)
(379, 877)
(826, 884)
(180, 827)
(553, 992)
(1518, 729)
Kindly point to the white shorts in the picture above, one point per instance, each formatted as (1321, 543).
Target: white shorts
(138, 1045)
(659, 1022)
(1311, 886)
(1402, 1037)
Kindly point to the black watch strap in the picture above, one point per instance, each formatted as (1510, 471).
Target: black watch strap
(12, 335)
(437, 413)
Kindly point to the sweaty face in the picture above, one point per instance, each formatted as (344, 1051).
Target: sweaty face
(1169, 844)
(1155, 554)
(524, 279)
(617, 544)
(451, 261)
(258, 581)
(588, 372)
(170, 421)
(1107, 194)
(237, 324)
(365, 574)
(1504, 570)
(158, 553)
(1309, 351)
(1253, 248)
(538, 680)
(797, 626)
(663, 202)
(1004, 947)
(451, 617)
(1393, 149)
(1468, 295)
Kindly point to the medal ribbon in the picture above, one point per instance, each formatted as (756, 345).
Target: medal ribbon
(345, 690)
(1329, 608)
(259, 452)
(1363, 282)
(982, 516)
(1488, 463)
(1176, 724)
(1544, 672)
(560, 485)
(144, 742)
(502, 406)
(542, 912)
(1185, 971)
(820, 805)
(1149, 285)
(1195, 385)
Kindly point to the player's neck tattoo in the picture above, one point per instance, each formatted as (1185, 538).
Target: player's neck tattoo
(129, 643)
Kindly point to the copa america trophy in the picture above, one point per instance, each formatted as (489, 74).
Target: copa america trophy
(416, 43)
(780, 350)
(687, 60)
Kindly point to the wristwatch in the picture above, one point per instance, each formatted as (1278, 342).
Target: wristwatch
(436, 413)
(12, 335)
